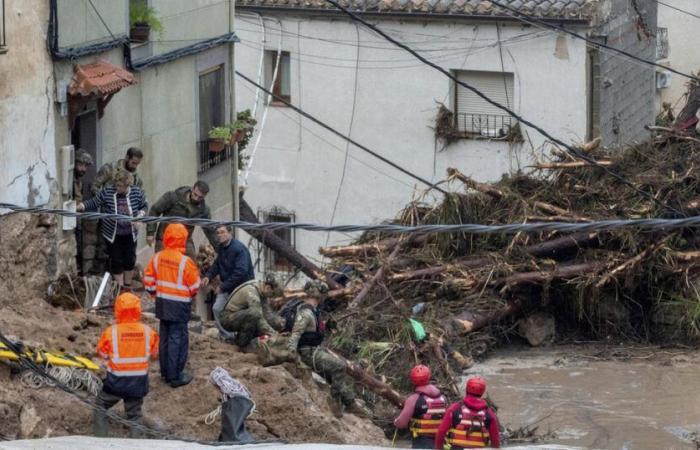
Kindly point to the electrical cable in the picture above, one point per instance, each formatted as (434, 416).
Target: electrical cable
(512, 113)
(339, 134)
(101, 19)
(677, 9)
(347, 144)
(516, 14)
(509, 228)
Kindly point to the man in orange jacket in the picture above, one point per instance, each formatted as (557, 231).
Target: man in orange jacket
(127, 346)
(172, 279)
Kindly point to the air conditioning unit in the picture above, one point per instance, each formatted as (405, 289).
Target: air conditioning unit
(663, 79)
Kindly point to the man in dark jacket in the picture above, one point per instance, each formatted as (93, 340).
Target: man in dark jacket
(182, 202)
(232, 265)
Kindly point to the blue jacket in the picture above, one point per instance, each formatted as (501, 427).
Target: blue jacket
(233, 265)
(106, 202)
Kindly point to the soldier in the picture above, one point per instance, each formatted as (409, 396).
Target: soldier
(307, 335)
(82, 162)
(182, 202)
(248, 313)
(105, 176)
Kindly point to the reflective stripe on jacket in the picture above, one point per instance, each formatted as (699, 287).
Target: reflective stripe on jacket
(427, 416)
(469, 429)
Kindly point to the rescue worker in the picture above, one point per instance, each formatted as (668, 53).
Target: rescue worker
(305, 341)
(173, 279)
(232, 265)
(469, 423)
(127, 346)
(248, 313)
(423, 410)
(182, 202)
(105, 176)
(82, 162)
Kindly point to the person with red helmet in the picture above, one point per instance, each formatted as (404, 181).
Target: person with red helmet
(469, 423)
(423, 410)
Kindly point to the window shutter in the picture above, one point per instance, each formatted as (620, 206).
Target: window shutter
(491, 84)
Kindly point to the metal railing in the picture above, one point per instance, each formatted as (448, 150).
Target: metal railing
(662, 46)
(206, 159)
(3, 42)
(484, 125)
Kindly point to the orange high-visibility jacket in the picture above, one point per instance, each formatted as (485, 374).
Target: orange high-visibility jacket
(127, 346)
(171, 277)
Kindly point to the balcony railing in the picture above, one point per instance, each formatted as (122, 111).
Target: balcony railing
(484, 125)
(206, 159)
(3, 42)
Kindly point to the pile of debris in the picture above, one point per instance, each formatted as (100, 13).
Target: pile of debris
(445, 299)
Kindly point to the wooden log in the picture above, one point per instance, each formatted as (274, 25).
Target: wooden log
(542, 276)
(376, 278)
(564, 245)
(468, 322)
(369, 249)
(430, 272)
(591, 145)
(487, 189)
(282, 248)
(572, 164)
(557, 211)
(377, 386)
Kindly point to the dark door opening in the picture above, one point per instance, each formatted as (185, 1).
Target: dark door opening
(84, 135)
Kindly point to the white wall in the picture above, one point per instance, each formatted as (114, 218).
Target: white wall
(298, 165)
(683, 54)
(27, 152)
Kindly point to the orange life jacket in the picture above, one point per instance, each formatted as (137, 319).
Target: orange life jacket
(427, 416)
(131, 345)
(469, 429)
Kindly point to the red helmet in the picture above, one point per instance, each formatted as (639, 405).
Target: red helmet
(476, 386)
(420, 375)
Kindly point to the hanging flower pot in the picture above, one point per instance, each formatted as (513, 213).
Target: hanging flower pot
(217, 145)
(238, 135)
(140, 32)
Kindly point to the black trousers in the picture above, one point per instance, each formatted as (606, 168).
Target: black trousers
(173, 348)
(122, 254)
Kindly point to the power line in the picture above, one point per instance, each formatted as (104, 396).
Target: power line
(512, 113)
(509, 228)
(533, 20)
(101, 19)
(339, 134)
(677, 9)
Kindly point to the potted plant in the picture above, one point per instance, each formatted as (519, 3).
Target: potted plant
(218, 138)
(243, 128)
(143, 19)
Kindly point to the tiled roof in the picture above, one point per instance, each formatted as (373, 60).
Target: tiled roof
(548, 9)
(100, 79)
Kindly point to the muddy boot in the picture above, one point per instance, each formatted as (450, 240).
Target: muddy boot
(185, 378)
(100, 424)
(336, 406)
(358, 408)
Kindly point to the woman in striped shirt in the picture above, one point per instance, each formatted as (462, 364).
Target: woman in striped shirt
(121, 236)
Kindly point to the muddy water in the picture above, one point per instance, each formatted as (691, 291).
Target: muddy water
(650, 401)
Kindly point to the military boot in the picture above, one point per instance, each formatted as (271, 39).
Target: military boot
(336, 406)
(100, 424)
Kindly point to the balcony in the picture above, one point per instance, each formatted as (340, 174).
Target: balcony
(207, 160)
(485, 126)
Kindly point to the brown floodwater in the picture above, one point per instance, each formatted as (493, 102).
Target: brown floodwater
(650, 400)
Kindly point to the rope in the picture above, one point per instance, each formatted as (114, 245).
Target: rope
(512, 228)
(75, 379)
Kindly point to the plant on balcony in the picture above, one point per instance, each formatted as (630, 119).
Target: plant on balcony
(143, 19)
(243, 128)
(219, 137)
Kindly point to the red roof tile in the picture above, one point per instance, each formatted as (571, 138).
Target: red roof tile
(100, 79)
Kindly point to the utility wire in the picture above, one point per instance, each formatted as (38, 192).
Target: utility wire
(101, 19)
(677, 9)
(512, 113)
(516, 14)
(339, 134)
(510, 228)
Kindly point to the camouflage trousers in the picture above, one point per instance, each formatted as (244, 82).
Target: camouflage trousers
(247, 324)
(332, 369)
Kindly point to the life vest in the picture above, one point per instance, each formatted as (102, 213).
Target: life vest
(469, 429)
(131, 346)
(427, 416)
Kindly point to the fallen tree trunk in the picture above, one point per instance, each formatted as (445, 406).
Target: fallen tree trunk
(477, 186)
(564, 244)
(376, 278)
(542, 276)
(468, 322)
(375, 385)
(367, 249)
(437, 270)
(282, 248)
(572, 164)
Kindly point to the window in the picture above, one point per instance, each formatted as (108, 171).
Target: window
(212, 113)
(473, 115)
(661, 43)
(273, 261)
(282, 85)
(3, 43)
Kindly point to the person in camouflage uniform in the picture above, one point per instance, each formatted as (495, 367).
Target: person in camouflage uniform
(105, 176)
(305, 340)
(182, 202)
(248, 311)
(82, 161)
